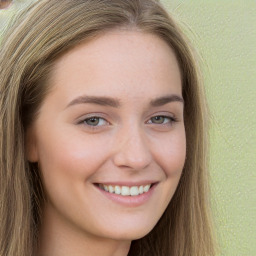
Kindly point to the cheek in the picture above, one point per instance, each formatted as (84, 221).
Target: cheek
(71, 157)
(171, 157)
(170, 154)
(67, 164)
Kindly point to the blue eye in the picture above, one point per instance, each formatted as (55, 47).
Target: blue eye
(94, 121)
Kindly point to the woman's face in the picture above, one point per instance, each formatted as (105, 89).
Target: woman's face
(113, 120)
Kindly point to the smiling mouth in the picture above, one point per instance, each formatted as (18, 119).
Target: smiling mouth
(125, 190)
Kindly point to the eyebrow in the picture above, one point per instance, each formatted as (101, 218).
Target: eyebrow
(116, 103)
(166, 99)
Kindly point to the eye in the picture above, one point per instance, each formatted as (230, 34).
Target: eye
(94, 121)
(162, 120)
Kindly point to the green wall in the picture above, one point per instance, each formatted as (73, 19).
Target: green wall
(224, 33)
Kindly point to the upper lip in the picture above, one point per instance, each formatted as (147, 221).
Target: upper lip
(128, 183)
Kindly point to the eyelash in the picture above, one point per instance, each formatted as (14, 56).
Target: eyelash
(170, 122)
(170, 118)
(91, 118)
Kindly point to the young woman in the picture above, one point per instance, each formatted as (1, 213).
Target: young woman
(103, 133)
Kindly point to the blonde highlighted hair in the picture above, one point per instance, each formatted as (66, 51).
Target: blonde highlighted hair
(40, 34)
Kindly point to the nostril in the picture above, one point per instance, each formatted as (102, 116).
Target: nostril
(132, 159)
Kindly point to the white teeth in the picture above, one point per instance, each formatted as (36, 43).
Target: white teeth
(117, 190)
(134, 191)
(110, 189)
(146, 188)
(125, 190)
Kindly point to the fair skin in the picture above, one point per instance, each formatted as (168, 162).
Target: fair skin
(114, 116)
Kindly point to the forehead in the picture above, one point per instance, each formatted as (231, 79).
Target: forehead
(119, 62)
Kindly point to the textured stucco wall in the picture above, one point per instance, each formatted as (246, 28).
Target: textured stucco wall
(224, 32)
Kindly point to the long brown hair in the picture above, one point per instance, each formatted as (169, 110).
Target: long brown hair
(43, 32)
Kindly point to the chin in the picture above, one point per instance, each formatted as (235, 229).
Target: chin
(132, 232)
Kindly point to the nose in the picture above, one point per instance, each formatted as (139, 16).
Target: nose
(132, 150)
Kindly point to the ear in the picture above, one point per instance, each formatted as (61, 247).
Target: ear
(31, 145)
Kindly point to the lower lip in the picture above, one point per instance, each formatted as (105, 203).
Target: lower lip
(131, 201)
